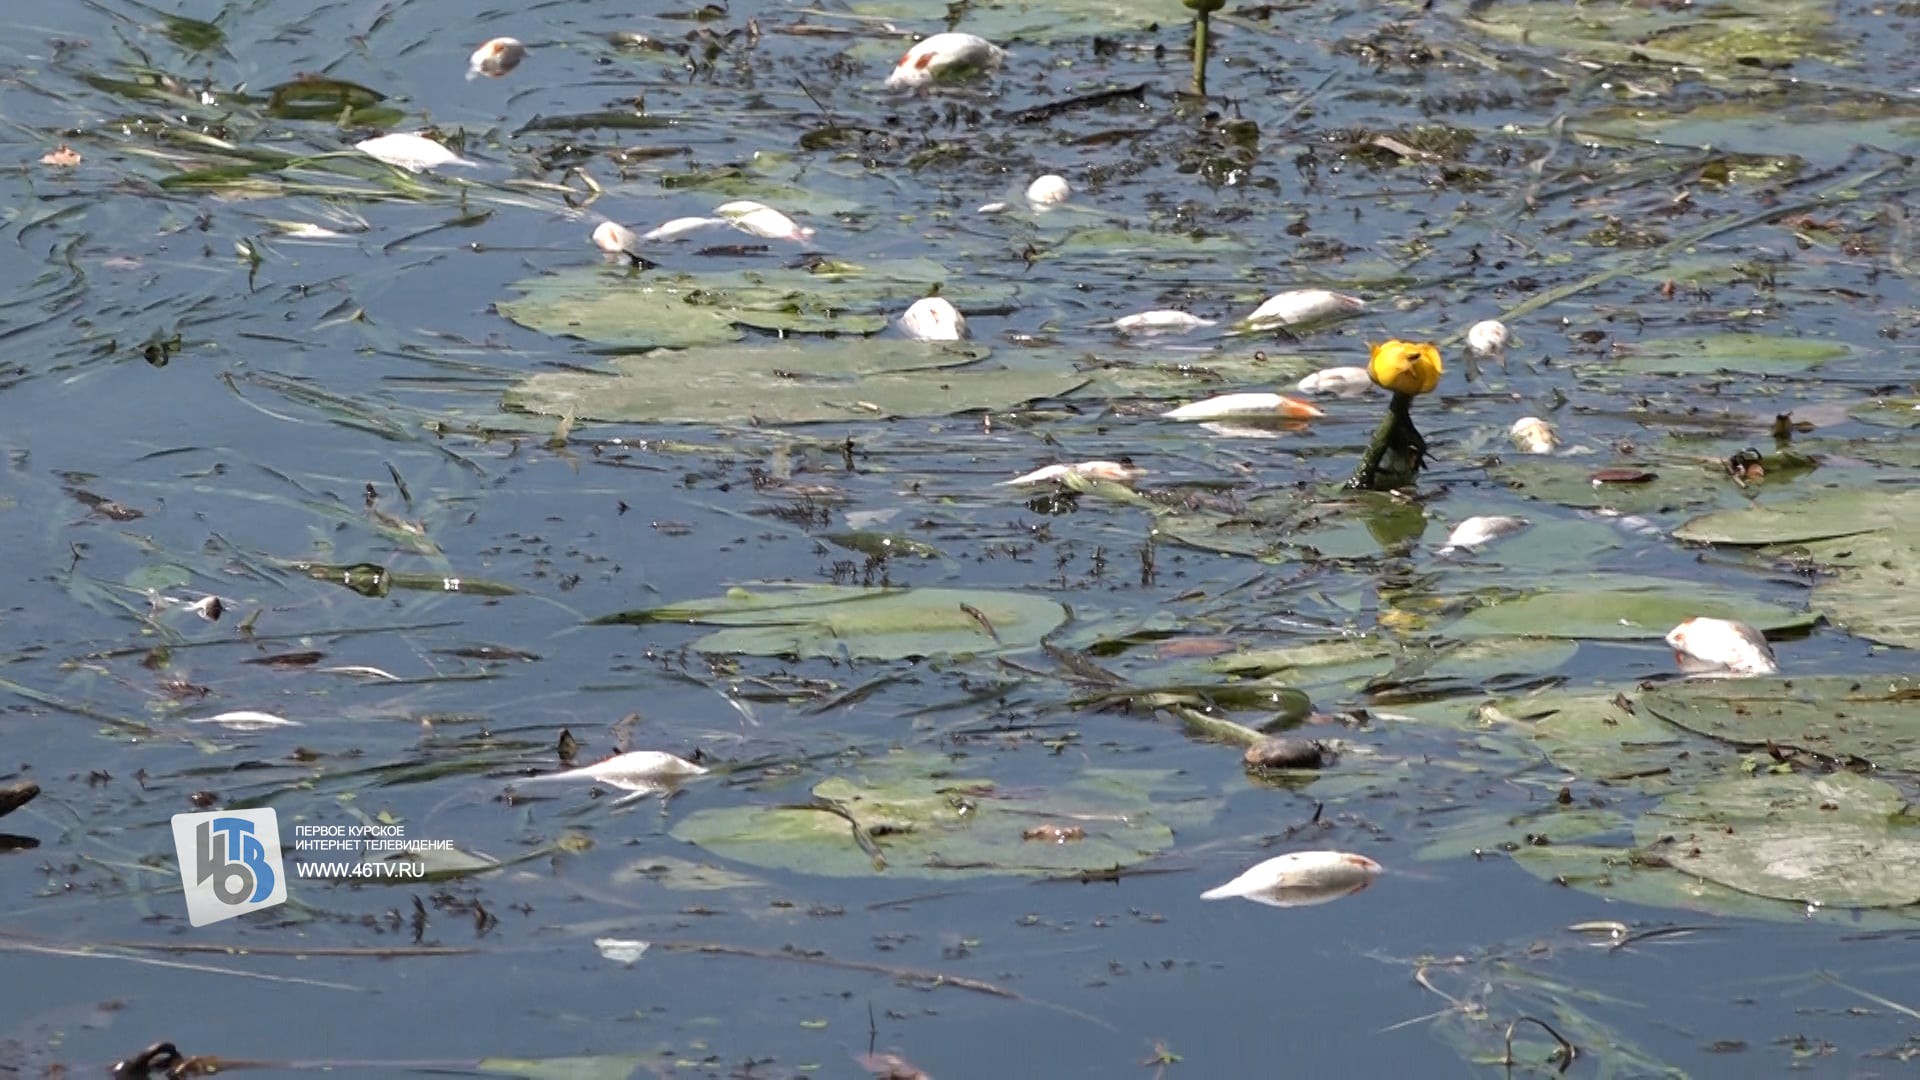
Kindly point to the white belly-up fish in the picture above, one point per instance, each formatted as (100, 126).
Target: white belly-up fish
(1303, 306)
(412, 152)
(1532, 435)
(1160, 322)
(1117, 471)
(1337, 382)
(933, 318)
(1245, 405)
(1300, 879)
(1721, 646)
(945, 57)
(643, 772)
(1479, 531)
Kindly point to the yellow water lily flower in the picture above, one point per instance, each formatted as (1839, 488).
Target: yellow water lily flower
(1406, 367)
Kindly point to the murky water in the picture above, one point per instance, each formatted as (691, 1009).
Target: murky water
(1694, 221)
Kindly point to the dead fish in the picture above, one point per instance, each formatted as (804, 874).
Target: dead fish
(614, 238)
(1226, 405)
(1300, 879)
(495, 58)
(1304, 306)
(412, 152)
(246, 720)
(943, 57)
(1633, 523)
(636, 770)
(622, 950)
(1278, 752)
(1118, 471)
(1049, 190)
(1533, 435)
(763, 221)
(1337, 382)
(1703, 645)
(1488, 338)
(1476, 531)
(1160, 322)
(934, 319)
(678, 227)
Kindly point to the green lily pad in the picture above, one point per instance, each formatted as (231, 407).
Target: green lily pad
(1621, 608)
(1742, 354)
(1875, 719)
(609, 307)
(874, 624)
(790, 383)
(1570, 483)
(1503, 830)
(911, 816)
(1838, 840)
(622, 309)
(1605, 738)
(1827, 514)
(1873, 586)
(1889, 412)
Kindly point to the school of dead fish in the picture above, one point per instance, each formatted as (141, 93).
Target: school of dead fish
(1701, 646)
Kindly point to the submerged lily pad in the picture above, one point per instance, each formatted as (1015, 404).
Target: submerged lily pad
(1570, 483)
(1839, 840)
(872, 624)
(790, 383)
(1621, 608)
(911, 816)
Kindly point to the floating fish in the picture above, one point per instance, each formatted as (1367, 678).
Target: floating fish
(622, 950)
(1533, 435)
(1160, 322)
(495, 58)
(678, 227)
(1048, 191)
(1245, 405)
(763, 221)
(614, 238)
(1476, 531)
(247, 720)
(412, 152)
(1702, 646)
(1300, 879)
(1118, 471)
(934, 319)
(1337, 382)
(1304, 306)
(943, 57)
(1488, 338)
(994, 208)
(638, 770)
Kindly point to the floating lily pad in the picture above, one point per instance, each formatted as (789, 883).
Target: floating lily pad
(1873, 719)
(1570, 483)
(790, 383)
(619, 308)
(1621, 608)
(1839, 840)
(911, 816)
(1872, 588)
(1839, 512)
(1605, 738)
(873, 624)
(1889, 412)
(1742, 354)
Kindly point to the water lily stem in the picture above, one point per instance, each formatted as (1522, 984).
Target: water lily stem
(1396, 436)
(1200, 47)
